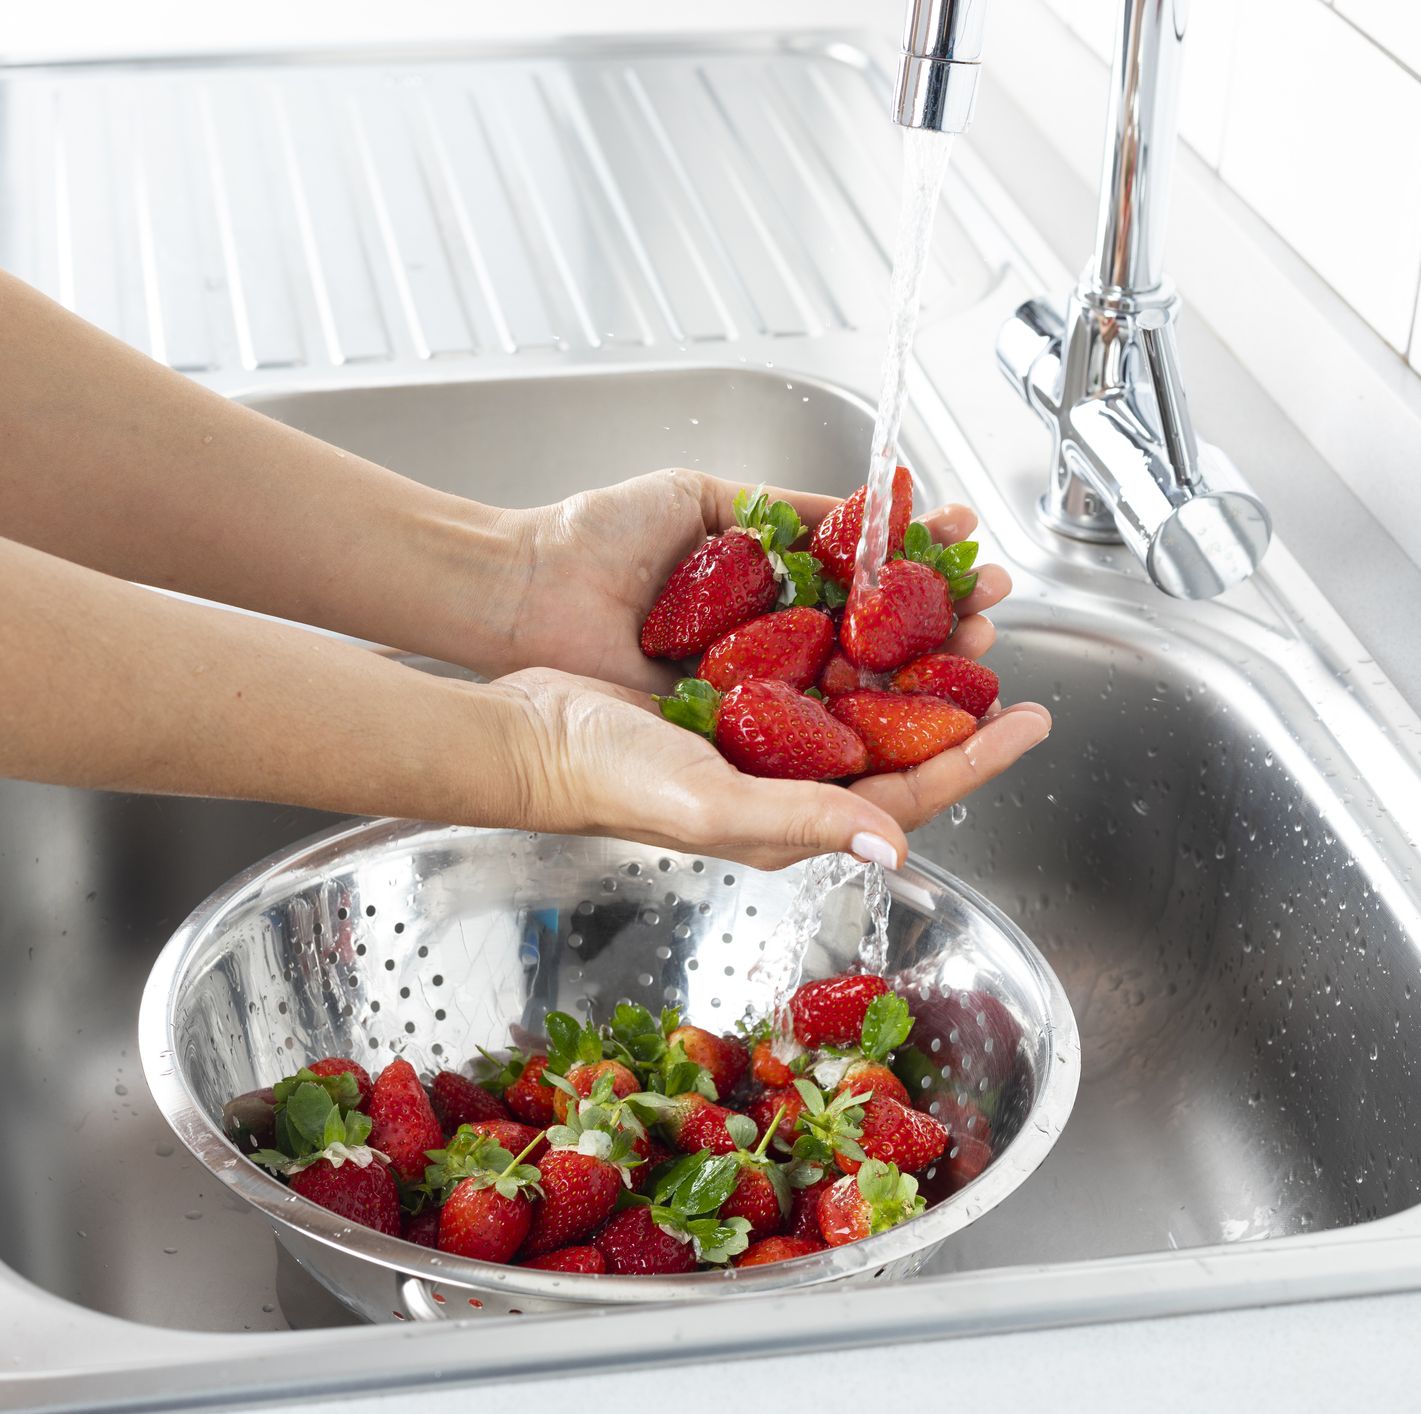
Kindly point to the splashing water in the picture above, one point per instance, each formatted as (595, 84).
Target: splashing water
(925, 158)
(777, 971)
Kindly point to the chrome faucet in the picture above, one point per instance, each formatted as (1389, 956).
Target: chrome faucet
(1126, 465)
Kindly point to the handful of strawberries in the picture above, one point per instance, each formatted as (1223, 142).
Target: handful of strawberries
(802, 675)
(645, 1146)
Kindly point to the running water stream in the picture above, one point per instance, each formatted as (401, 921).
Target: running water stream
(776, 974)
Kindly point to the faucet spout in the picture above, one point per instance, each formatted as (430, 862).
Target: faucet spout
(939, 64)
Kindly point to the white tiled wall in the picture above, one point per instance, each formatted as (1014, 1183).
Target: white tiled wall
(1311, 111)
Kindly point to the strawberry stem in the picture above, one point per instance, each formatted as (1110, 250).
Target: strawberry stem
(773, 1129)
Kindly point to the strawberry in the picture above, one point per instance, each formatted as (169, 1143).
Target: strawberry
(768, 729)
(326, 1159)
(653, 1158)
(422, 1228)
(457, 1100)
(766, 1068)
(691, 1122)
(730, 579)
(682, 1225)
(403, 1122)
(762, 1190)
(724, 1057)
(583, 1077)
(583, 1174)
(831, 1012)
(763, 1109)
(790, 646)
(971, 685)
(836, 542)
(633, 1245)
(874, 1199)
(901, 731)
(886, 1025)
(587, 1260)
(910, 612)
(778, 1249)
(839, 676)
(528, 1098)
(365, 1195)
(488, 1214)
(339, 1065)
(907, 615)
(804, 1206)
(507, 1134)
(643, 1042)
(892, 1133)
(864, 1077)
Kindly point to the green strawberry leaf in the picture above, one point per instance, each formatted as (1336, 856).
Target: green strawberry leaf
(803, 586)
(957, 559)
(717, 1241)
(809, 1149)
(886, 1025)
(679, 1174)
(497, 1075)
(344, 1089)
(834, 594)
(917, 541)
(784, 525)
(812, 1096)
(741, 1128)
(570, 1043)
(960, 586)
(271, 1159)
(306, 1112)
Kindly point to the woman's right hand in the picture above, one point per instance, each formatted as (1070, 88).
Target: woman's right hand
(601, 760)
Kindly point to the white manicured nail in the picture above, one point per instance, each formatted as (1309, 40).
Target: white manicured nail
(874, 849)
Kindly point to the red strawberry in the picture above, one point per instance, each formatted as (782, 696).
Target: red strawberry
(831, 1012)
(403, 1123)
(728, 580)
(790, 646)
(778, 1249)
(723, 1056)
(804, 1207)
(633, 1245)
(756, 1199)
(971, 685)
(579, 1193)
(423, 1228)
(909, 614)
(864, 1076)
(655, 1155)
(901, 731)
(836, 542)
(840, 676)
(457, 1100)
(766, 1068)
(583, 1077)
(528, 1098)
(874, 1199)
(587, 1260)
(367, 1195)
(768, 729)
(509, 1134)
(692, 1122)
(892, 1133)
(339, 1065)
(763, 1108)
(488, 1214)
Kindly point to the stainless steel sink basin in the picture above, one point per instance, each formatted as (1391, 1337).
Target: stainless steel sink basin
(1214, 848)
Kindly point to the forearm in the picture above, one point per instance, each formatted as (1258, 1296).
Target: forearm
(110, 460)
(106, 685)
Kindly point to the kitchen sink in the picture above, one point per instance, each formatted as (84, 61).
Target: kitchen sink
(1214, 848)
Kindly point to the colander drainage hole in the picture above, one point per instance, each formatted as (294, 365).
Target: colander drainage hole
(438, 979)
(399, 927)
(440, 1015)
(374, 1006)
(421, 951)
(698, 866)
(342, 913)
(389, 964)
(370, 910)
(360, 949)
(404, 993)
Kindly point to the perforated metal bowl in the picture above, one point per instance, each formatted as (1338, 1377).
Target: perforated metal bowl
(393, 938)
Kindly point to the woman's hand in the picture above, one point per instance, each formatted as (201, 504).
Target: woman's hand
(596, 562)
(598, 759)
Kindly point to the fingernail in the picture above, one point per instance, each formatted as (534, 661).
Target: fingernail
(874, 849)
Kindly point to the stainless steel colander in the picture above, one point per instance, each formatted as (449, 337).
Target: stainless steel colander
(391, 938)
